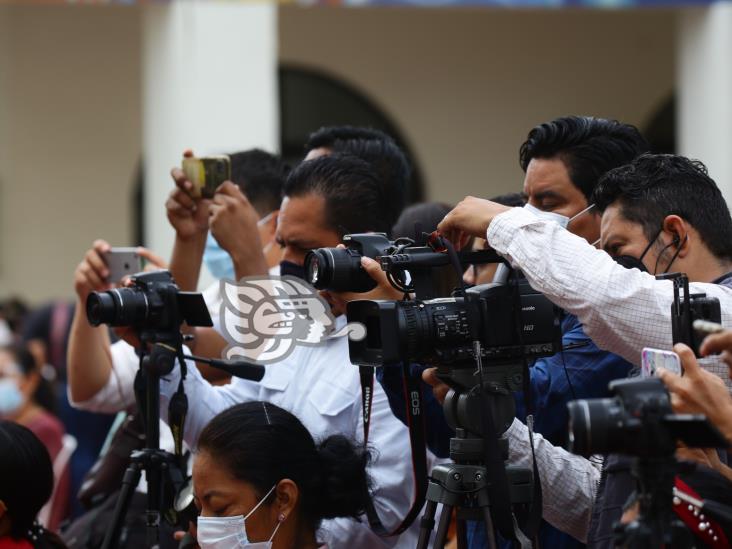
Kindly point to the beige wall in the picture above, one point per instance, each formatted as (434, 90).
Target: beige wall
(70, 106)
(465, 86)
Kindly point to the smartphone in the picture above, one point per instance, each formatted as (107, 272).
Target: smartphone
(206, 173)
(122, 262)
(652, 359)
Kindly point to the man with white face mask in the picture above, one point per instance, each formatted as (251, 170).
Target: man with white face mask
(563, 160)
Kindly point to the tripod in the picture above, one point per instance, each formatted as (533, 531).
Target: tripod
(162, 469)
(656, 526)
(463, 486)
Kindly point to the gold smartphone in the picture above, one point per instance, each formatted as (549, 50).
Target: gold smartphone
(207, 173)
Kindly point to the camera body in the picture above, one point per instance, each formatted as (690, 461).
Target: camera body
(638, 421)
(340, 269)
(152, 303)
(511, 320)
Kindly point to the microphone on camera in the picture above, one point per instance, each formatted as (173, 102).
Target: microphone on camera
(240, 369)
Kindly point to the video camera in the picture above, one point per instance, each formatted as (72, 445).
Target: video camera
(153, 302)
(638, 421)
(510, 319)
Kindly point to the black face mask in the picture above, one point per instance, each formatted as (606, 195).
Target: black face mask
(292, 269)
(630, 262)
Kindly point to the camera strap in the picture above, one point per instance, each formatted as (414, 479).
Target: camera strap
(415, 423)
(178, 407)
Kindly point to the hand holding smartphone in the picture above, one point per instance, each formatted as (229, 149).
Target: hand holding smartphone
(206, 173)
(122, 262)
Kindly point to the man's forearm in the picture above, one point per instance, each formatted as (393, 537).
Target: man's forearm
(89, 361)
(185, 263)
(568, 482)
(252, 265)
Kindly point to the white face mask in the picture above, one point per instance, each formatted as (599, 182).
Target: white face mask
(231, 532)
(11, 398)
(561, 220)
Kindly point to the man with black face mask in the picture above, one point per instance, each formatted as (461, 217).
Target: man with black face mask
(659, 213)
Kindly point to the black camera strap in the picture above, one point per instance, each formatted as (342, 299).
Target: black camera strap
(415, 423)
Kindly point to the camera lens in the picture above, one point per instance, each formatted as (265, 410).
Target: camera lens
(315, 267)
(119, 307)
(338, 270)
(100, 308)
(595, 426)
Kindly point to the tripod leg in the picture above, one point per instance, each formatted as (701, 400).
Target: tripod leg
(426, 525)
(490, 533)
(442, 527)
(462, 534)
(129, 483)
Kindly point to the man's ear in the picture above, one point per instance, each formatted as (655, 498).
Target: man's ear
(678, 229)
(3, 509)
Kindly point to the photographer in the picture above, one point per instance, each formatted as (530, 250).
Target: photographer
(563, 159)
(324, 199)
(659, 212)
(258, 468)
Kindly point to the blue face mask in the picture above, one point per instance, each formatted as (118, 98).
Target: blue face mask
(11, 399)
(293, 269)
(217, 260)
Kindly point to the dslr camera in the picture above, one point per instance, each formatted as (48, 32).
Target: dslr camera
(637, 421)
(340, 269)
(152, 303)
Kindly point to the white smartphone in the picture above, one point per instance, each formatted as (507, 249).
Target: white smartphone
(652, 359)
(122, 262)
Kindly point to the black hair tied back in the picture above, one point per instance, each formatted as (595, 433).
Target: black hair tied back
(345, 483)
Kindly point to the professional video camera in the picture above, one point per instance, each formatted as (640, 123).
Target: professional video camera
(153, 302)
(501, 325)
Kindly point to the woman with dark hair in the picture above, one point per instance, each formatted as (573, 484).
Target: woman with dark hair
(26, 483)
(21, 388)
(260, 480)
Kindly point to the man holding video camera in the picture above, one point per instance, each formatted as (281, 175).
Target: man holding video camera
(660, 213)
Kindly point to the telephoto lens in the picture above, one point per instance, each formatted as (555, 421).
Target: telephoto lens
(118, 307)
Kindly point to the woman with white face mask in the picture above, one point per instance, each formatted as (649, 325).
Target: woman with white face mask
(261, 481)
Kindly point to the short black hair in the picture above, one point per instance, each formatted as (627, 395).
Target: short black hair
(354, 197)
(26, 476)
(261, 177)
(260, 443)
(654, 186)
(378, 149)
(587, 146)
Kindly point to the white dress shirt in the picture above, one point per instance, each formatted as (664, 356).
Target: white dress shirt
(321, 387)
(622, 310)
